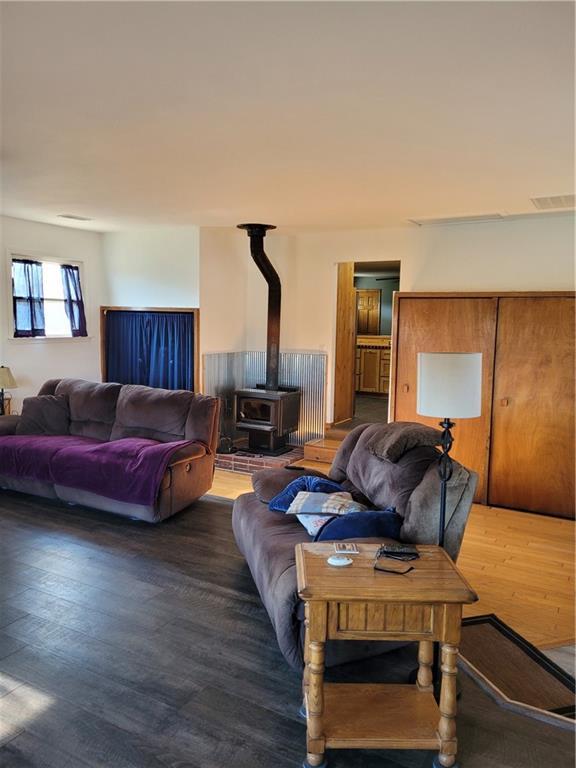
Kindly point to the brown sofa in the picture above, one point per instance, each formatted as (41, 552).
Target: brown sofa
(410, 483)
(95, 414)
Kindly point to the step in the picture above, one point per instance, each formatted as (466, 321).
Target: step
(319, 466)
(337, 433)
(321, 450)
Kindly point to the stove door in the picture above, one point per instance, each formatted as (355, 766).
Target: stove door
(254, 410)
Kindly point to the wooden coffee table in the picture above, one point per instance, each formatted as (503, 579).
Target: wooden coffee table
(359, 603)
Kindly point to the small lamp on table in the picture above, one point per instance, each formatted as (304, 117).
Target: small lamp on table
(7, 381)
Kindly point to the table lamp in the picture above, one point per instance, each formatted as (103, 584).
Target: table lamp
(7, 381)
(449, 387)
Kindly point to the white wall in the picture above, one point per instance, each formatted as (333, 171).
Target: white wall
(155, 267)
(34, 360)
(523, 254)
(212, 268)
(224, 258)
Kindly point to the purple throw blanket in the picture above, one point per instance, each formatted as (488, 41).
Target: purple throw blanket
(128, 470)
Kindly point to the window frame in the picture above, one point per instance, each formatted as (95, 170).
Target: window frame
(19, 253)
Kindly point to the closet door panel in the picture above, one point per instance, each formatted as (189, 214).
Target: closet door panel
(532, 456)
(448, 325)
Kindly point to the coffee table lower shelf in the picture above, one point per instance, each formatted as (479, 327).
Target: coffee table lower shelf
(379, 717)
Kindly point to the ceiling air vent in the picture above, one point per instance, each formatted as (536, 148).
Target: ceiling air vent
(478, 219)
(553, 202)
(73, 217)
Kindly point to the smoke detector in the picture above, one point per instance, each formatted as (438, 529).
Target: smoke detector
(554, 202)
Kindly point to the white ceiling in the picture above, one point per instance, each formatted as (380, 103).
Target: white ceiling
(329, 114)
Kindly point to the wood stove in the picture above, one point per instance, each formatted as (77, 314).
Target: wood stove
(268, 413)
(268, 416)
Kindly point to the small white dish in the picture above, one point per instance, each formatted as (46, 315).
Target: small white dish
(339, 561)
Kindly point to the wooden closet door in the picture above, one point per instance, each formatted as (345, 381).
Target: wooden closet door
(532, 456)
(448, 325)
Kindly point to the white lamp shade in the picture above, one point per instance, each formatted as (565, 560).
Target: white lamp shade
(450, 384)
(7, 381)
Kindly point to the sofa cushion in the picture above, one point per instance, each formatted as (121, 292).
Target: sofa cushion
(422, 517)
(156, 414)
(339, 468)
(8, 425)
(384, 523)
(384, 483)
(44, 415)
(92, 407)
(49, 387)
(282, 501)
(395, 439)
(32, 456)
(202, 423)
(129, 470)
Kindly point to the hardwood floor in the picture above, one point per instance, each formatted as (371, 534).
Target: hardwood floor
(522, 566)
(126, 645)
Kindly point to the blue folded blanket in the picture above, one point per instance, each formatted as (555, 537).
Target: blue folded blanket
(282, 500)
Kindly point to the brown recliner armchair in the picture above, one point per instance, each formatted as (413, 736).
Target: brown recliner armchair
(410, 484)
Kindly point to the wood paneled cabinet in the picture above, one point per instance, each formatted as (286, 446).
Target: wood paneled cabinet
(373, 365)
(522, 446)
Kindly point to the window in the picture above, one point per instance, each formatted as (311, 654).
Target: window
(47, 299)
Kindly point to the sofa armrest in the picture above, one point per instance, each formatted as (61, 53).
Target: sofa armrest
(187, 453)
(8, 425)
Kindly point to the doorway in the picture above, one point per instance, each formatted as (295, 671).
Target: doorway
(363, 341)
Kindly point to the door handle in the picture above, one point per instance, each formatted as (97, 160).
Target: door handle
(405, 388)
(504, 402)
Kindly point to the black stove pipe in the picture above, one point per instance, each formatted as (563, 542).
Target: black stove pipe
(257, 233)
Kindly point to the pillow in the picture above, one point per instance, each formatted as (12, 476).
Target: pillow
(370, 524)
(44, 415)
(312, 509)
(282, 501)
(399, 437)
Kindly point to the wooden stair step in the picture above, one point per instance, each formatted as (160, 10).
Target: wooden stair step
(319, 466)
(321, 450)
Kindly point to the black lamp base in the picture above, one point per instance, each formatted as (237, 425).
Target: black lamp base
(445, 469)
(1, 402)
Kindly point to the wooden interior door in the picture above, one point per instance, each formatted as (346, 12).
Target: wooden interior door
(447, 325)
(369, 370)
(368, 312)
(532, 455)
(345, 353)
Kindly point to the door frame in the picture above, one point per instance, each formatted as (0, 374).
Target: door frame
(196, 324)
(345, 345)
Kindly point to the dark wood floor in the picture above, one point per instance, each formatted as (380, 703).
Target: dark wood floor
(124, 645)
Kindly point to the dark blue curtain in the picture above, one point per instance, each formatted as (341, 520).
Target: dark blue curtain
(151, 348)
(73, 300)
(28, 298)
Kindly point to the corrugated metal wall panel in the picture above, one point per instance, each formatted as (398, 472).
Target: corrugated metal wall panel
(224, 372)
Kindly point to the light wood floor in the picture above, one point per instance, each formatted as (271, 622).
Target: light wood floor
(521, 565)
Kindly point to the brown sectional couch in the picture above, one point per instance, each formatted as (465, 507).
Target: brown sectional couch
(103, 413)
